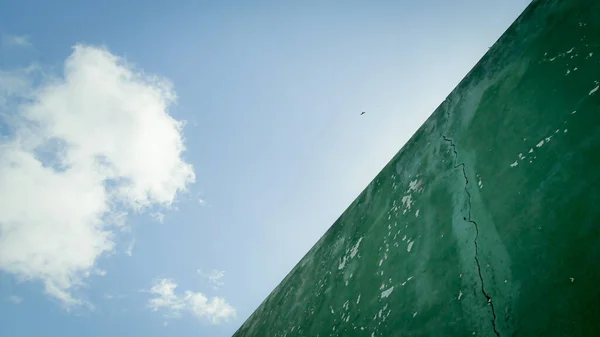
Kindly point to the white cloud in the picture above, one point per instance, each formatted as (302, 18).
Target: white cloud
(15, 299)
(130, 246)
(85, 147)
(216, 310)
(16, 40)
(99, 272)
(201, 202)
(109, 296)
(215, 277)
(158, 216)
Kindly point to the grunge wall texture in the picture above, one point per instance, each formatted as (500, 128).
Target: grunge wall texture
(487, 222)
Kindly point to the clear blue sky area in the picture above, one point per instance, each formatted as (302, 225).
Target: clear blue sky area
(128, 212)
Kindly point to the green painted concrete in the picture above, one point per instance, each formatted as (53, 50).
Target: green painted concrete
(487, 222)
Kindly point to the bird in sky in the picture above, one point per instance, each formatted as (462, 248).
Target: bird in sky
(362, 113)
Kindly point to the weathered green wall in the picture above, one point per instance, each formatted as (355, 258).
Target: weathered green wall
(488, 221)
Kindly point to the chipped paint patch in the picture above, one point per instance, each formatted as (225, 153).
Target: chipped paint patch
(594, 90)
(386, 293)
(407, 202)
(514, 164)
(353, 251)
(355, 248)
(414, 185)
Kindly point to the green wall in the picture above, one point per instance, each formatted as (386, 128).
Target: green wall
(487, 222)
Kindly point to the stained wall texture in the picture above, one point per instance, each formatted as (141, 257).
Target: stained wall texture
(487, 222)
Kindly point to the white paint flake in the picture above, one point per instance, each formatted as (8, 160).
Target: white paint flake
(404, 283)
(387, 292)
(571, 50)
(594, 90)
(415, 314)
(572, 279)
(404, 238)
(572, 113)
(540, 143)
(342, 264)
(565, 130)
(355, 248)
(353, 251)
(459, 294)
(407, 202)
(414, 185)
(358, 299)
(530, 151)
(514, 164)
(417, 213)
(410, 244)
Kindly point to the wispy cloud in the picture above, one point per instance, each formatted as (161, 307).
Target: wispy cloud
(16, 40)
(15, 299)
(214, 277)
(215, 310)
(109, 296)
(158, 216)
(130, 246)
(86, 134)
(99, 272)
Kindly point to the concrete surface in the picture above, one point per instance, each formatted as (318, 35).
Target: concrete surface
(487, 222)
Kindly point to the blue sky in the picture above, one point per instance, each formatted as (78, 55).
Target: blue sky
(105, 211)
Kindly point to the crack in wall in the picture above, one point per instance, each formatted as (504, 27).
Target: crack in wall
(483, 291)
